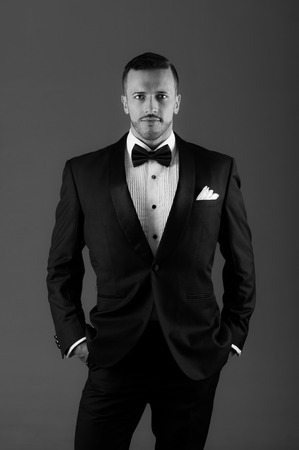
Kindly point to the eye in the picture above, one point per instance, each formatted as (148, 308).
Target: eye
(139, 96)
(161, 96)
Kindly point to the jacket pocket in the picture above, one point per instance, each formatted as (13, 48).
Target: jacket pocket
(201, 296)
(109, 296)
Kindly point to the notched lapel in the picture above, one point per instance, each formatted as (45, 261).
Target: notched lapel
(123, 204)
(183, 201)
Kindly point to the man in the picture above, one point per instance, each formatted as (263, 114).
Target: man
(151, 209)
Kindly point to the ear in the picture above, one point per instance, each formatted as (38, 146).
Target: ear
(125, 103)
(177, 104)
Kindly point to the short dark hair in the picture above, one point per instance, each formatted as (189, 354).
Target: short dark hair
(149, 61)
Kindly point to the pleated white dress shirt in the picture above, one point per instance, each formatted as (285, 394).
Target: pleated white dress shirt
(152, 188)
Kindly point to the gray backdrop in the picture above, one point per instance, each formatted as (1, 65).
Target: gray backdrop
(61, 63)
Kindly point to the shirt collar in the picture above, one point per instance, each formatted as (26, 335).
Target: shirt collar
(132, 140)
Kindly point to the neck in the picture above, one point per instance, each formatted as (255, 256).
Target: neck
(152, 144)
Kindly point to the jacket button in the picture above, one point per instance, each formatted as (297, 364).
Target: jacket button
(156, 268)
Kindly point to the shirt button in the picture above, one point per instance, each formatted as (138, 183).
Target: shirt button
(155, 236)
(154, 206)
(156, 268)
(154, 177)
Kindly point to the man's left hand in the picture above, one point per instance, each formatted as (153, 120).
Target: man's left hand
(81, 351)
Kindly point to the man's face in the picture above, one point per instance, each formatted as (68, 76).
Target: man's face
(151, 101)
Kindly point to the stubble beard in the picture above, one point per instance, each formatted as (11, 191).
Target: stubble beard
(151, 132)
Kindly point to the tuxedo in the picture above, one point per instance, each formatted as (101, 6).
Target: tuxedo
(96, 210)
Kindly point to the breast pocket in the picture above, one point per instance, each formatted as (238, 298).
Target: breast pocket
(206, 203)
(207, 213)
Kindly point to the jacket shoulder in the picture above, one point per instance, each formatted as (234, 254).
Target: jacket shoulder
(203, 154)
(91, 158)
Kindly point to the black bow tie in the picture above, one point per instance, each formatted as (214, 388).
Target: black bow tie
(140, 155)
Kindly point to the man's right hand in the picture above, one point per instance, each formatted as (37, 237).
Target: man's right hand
(81, 351)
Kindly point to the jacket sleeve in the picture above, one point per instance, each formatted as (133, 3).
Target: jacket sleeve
(238, 270)
(65, 265)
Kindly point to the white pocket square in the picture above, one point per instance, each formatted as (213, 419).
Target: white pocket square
(207, 194)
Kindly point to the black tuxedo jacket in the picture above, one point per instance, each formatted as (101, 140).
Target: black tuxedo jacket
(96, 210)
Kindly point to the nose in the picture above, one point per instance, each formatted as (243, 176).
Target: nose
(151, 106)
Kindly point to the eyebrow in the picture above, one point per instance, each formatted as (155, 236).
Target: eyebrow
(157, 92)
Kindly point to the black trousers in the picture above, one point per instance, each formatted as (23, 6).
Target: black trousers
(114, 399)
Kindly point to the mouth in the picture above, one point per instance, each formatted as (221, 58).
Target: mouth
(150, 119)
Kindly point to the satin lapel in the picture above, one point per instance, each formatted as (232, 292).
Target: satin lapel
(183, 201)
(123, 203)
